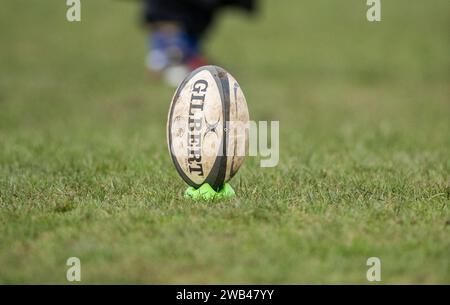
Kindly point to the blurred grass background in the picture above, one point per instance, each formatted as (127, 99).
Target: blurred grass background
(364, 114)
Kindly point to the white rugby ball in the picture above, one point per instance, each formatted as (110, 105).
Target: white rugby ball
(207, 128)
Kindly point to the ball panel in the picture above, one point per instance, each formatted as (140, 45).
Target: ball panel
(217, 177)
(238, 136)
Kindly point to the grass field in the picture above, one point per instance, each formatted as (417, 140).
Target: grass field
(364, 111)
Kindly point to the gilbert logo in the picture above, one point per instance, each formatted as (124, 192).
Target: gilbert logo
(195, 126)
(74, 10)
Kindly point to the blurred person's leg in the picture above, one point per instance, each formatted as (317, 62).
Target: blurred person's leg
(177, 28)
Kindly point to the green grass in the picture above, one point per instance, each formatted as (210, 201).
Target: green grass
(364, 113)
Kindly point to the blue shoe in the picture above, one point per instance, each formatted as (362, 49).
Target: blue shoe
(173, 54)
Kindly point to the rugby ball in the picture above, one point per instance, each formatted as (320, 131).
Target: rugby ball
(207, 128)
